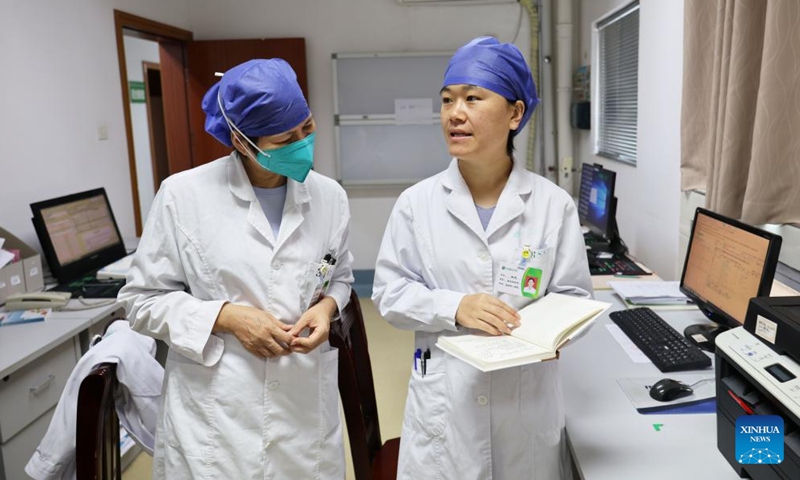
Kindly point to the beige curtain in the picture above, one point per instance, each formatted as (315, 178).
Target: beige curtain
(740, 119)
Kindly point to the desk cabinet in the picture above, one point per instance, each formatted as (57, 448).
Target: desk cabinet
(27, 400)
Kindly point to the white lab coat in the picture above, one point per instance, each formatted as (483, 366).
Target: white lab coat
(226, 412)
(461, 423)
(136, 401)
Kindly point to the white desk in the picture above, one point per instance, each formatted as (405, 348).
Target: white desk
(608, 438)
(36, 360)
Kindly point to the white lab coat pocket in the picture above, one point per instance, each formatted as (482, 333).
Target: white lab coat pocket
(329, 390)
(427, 406)
(541, 399)
(188, 393)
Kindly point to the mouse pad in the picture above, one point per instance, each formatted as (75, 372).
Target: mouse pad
(637, 390)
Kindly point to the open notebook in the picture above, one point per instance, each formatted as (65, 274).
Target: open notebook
(545, 326)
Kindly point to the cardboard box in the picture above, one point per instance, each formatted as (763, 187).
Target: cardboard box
(23, 276)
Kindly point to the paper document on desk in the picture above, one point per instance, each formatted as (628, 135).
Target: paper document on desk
(650, 293)
(638, 391)
(116, 270)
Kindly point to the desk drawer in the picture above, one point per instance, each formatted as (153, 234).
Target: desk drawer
(21, 448)
(34, 389)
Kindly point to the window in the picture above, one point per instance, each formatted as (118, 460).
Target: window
(618, 89)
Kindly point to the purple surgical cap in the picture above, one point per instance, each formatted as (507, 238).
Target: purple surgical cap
(495, 66)
(260, 97)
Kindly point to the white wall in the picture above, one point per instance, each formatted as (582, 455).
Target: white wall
(347, 26)
(60, 82)
(138, 50)
(649, 194)
(65, 83)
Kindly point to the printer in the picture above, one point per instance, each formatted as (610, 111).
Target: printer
(758, 373)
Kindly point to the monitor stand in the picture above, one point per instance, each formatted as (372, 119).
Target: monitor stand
(703, 334)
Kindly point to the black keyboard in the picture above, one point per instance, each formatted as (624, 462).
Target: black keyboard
(617, 265)
(662, 344)
(89, 286)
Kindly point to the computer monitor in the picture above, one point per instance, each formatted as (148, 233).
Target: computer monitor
(78, 233)
(596, 200)
(727, 263)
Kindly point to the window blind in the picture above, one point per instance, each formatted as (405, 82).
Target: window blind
(618, 87)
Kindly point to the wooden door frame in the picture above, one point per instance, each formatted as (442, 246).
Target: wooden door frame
(155, 31)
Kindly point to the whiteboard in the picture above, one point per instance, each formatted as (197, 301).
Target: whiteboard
(371, 147)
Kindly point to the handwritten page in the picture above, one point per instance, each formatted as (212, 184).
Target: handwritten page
(496, 349)
(547, 321)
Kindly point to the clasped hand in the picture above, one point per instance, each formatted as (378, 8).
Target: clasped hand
(487, 313)
(264, 335)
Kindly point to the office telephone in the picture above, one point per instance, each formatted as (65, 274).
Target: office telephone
(25, 301)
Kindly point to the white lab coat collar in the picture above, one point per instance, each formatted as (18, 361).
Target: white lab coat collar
(297, 195)
(510, 205)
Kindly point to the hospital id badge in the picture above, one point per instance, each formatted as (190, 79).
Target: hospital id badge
(526, 276)
(321, 278)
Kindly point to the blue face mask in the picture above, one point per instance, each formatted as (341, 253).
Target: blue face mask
(293, 160)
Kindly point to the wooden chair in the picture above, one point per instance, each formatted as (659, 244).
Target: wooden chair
(97, 454)
(371, 458)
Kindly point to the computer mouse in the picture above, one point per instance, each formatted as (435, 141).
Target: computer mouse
(668, 389)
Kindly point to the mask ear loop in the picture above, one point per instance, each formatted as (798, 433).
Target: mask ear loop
(233, 127)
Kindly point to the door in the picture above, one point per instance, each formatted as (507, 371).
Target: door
(207, 57)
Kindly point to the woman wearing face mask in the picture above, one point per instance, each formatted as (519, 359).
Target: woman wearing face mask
(241, 266)
(461, 251)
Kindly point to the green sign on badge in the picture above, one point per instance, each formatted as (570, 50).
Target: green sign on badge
(136, 90)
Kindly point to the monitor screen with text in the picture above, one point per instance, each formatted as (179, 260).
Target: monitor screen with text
(725, 265)
(80, 228)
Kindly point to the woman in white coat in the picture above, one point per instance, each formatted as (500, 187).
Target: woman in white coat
(439, 272)
(241, 266)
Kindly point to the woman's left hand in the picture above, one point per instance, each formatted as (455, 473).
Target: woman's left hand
(318, 320)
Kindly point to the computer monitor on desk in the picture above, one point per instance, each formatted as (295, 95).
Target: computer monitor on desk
(597, 208)
(727, 263)
(78, 234)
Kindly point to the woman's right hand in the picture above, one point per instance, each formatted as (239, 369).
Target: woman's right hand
(487, 313)
(259, 332)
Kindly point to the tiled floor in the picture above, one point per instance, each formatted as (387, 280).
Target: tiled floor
(387, 347)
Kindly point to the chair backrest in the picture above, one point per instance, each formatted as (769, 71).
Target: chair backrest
(97, 454)
(356, 387)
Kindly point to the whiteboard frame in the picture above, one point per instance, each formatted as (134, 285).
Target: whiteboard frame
(373, 119)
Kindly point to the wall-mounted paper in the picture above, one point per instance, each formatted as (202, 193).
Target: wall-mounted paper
(413, 111)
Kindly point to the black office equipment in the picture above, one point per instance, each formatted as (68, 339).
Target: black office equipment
(580, 115)
(616, 265)
(597, 209)
(752, 380)
(79, 236)
(727, 263)
(662, 344)
(669, 389)
(776, 321)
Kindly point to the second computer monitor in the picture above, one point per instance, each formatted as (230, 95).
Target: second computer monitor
(596, 199)
(78, 233)
(728, 263)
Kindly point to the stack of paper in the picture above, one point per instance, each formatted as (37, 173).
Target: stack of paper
(650, 293)
(116, 270)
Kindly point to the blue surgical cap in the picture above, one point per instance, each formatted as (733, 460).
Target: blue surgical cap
(260, 97)
(495, 66)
